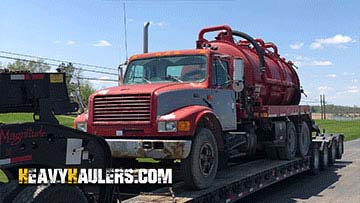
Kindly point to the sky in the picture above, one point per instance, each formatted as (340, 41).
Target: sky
(321, 37)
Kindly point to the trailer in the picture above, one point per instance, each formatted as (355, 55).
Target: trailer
(239, 181)
(44, 143)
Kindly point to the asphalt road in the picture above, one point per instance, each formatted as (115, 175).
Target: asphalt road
(340, 183)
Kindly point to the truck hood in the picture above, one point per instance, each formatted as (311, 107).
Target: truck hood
(156, 88)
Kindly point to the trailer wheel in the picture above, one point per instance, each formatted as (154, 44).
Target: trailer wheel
(340, 147)
(304, 140)
(332, 153)
(324, 157)
(315, 159)
(50, 193)
(289, 150)
(200, 167)
(6, 189)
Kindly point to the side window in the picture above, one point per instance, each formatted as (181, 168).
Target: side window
(219, 75)
(137, 74)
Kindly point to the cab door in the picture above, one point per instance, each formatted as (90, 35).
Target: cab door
(222, 94)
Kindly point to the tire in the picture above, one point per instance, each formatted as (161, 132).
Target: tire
(200, 167)
(315, 159)
(340, 147)
(304, 140)
(271, 152)
(324, 158)
(6, 190)
(50, 193)
(288, 151)
(332, 153)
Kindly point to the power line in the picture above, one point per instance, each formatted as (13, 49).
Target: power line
(100, 79)
(56, 65)
(56, 60)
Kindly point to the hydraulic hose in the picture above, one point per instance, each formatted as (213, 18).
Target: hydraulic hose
(259, 51)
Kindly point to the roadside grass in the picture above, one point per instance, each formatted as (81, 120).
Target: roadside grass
(351, 129)
(28, 117)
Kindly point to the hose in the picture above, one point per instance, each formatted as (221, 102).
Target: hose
(259, 51)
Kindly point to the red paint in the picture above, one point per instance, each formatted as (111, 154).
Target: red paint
(21, 159)
(34, 76)
(14, 138)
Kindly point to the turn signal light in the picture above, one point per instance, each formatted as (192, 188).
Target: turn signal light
(184, 126)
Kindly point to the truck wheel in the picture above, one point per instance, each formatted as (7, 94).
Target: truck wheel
(50, 193)
(6, 189)
(200, 167)
(340, 147)
(332, 153)
(324, 157)
(304, 140)
(289, 150)
(315, 159)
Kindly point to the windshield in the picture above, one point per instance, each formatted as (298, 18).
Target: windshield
(167, 69)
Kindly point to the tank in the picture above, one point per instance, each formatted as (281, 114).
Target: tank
(270, 79)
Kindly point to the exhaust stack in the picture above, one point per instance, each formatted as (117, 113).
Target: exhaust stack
(146, 36)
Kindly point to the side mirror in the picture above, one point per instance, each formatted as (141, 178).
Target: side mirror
(238, 74)
(121, 73)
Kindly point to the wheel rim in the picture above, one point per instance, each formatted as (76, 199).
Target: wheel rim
(305, 138)
(316, 159)
(206, 159)
(292, 141)
(333, 151)
(326, 156)
(341, 146)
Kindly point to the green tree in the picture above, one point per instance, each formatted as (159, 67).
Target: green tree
(79, 89)
(31, 66)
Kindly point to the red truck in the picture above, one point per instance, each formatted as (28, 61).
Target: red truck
(231, 98)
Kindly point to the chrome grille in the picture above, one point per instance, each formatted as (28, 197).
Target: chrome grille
(122, 108)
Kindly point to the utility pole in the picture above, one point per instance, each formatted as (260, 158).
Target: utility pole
(324, 105)
(321, 108)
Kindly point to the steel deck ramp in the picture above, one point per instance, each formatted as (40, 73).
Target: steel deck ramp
(230, 184)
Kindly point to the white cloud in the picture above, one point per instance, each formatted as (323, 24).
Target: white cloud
(353, 89)
(325, 88)
(296, 45)
(159, 24)
(321, 63)
(354, 80)
(303, 61)
(335, 40)
(70, 42)
(57, 42)
(331, 75)
(102, 43)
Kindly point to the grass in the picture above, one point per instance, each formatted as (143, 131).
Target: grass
(351, 129)
(28, 117)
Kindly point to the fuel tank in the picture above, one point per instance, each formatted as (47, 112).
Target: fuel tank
(268, 78)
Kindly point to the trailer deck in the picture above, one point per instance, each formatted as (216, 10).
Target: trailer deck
(231, 184)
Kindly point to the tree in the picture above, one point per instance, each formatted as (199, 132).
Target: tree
(79, 89)
(31, 66)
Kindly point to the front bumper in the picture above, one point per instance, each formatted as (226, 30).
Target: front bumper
(156, 149)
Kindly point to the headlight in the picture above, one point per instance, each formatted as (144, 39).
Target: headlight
(82, 126)
(167, 126)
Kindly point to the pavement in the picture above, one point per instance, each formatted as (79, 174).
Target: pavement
(338, 184)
